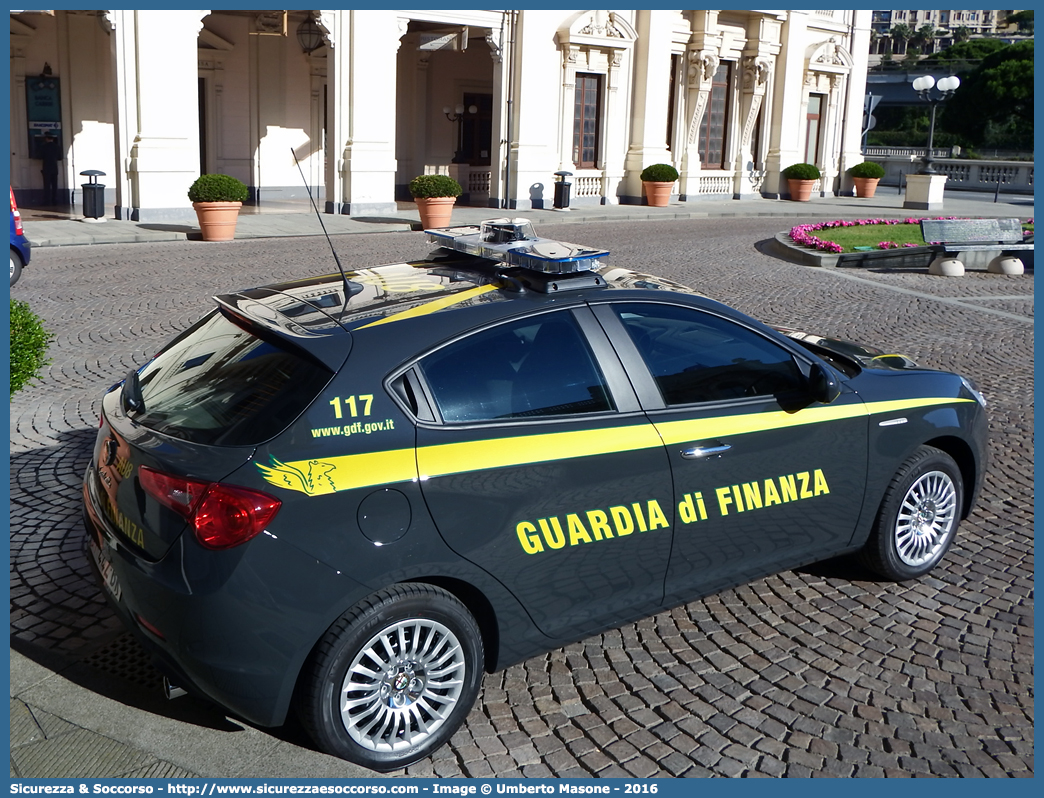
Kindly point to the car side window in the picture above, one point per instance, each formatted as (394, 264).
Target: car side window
(535, 367)
(699, 357)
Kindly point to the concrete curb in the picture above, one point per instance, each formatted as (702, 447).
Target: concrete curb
(784, 248)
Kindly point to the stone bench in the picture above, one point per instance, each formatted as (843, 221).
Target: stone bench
(951, 236)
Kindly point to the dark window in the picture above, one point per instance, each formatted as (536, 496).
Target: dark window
(698, 357)
(218, 383)
(755, 142)
(812, 126)
(715, 118)
(477, 130)
(672, 88)
(587, 111)
(539, 366)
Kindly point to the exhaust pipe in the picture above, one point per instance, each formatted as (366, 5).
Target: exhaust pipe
(172, 691)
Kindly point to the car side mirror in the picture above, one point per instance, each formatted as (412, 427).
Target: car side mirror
(823, 385)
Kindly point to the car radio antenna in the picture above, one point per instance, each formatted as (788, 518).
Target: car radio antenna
(340, 268)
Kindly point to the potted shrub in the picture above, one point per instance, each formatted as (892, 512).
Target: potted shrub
(217, 200)
(435, 196)
(866, 176)
(800, 178)
(658, 181)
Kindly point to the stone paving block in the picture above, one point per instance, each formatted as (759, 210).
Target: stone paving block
(161, 770)
(78, 754)
(24, 728)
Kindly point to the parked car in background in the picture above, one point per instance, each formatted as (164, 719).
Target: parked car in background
(20, 246)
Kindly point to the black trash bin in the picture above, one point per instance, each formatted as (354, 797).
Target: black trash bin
(93, 194)
(562, 191)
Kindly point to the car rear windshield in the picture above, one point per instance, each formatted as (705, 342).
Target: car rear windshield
(221, 383)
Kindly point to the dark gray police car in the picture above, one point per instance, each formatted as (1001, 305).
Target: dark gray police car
(351, 495)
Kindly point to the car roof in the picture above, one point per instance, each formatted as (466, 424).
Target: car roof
(450, 289)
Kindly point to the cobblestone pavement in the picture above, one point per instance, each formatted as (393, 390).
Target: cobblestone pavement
(818, 672)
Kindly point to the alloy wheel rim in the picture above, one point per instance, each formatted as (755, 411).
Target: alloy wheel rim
(403, 685)
(926, 517)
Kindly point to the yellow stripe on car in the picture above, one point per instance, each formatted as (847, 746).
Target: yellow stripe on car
(674, 432)
(457, 458)
(324, 475)
(434, 305)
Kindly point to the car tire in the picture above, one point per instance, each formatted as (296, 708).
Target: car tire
(16, 266)
(918, 517)
(393, 678)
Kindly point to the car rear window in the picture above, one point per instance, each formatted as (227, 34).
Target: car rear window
(220, 383)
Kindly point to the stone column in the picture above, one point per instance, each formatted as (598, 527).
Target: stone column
(497, 41)
(650, 100)
(756, 70)
(360, 175)
(786, 126)
(21, 173)
(702, 64)
(157, 115)
(853, 114)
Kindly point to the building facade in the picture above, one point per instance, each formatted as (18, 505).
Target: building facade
(945, 23)
(356, 103)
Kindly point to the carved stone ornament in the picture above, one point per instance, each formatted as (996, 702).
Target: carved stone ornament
(702, 66)
(830, 54)
(755, 71)
(268, 22)
(697, 116)
(325, 21)
(752, 116)
(602, 23)
(496, 46)
(710, 65)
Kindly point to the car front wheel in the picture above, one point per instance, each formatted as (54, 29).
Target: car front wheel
(393, 678)
(918, 517)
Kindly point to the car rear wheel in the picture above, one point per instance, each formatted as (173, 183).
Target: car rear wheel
(393, 678)
(918, 517)
(16, 267)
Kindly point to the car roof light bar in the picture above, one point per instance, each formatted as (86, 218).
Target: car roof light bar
(514, 242)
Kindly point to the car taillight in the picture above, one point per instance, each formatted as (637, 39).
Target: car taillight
(222, 516)
(17, 216)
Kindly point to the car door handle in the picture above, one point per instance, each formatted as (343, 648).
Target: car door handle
(707, 450)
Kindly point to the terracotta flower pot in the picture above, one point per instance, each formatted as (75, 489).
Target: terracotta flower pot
(217, 220)
(866, 186)
(657, 194)
(800, 190)
(435, 211)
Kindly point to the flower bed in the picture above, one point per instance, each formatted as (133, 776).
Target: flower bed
(802, 233)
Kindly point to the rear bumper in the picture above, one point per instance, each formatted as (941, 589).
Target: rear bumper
(24, 248)
(234, 627)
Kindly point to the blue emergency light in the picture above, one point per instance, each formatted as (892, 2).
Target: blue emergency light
(514, 242)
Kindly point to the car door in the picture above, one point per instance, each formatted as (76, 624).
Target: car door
(765, 477)
(540, 467)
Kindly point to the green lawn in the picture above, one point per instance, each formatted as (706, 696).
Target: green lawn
(872, 234)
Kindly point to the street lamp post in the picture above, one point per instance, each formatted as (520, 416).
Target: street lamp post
(923, 86)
